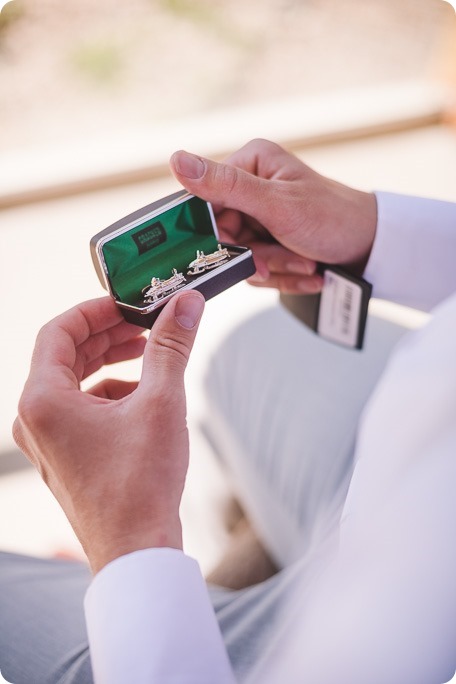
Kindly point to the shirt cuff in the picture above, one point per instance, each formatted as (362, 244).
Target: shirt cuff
(412, 259)
(149, 619)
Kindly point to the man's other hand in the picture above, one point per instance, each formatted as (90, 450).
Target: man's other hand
(287, 213)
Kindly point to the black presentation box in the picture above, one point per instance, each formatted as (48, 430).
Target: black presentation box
(168, 246)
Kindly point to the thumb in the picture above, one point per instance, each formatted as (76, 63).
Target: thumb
(170, 342)
(224, 184)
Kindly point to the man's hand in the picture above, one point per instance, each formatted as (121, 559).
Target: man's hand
(288, 214)
(116, 456)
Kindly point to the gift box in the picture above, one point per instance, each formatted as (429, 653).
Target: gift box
(166, 247)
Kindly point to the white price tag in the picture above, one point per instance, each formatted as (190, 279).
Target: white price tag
(339, 314)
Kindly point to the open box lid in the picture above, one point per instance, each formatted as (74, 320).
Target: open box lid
(152, 242)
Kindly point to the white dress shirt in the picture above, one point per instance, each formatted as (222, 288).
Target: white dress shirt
(385, 609)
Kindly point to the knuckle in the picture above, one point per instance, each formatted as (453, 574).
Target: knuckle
(18, 433)
(263, 145)
(174, 351)
(45, 331)
(21, 435)
(226, 177)
(256, 143)
(34, 410)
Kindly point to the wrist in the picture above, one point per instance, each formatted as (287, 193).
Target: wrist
(352, 216)
(108, 549)
(365, 227)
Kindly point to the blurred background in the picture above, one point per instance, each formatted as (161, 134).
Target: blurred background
(81, 68)
(94, 98)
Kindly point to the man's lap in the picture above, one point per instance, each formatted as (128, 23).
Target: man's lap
(43, 637)
(283, 411)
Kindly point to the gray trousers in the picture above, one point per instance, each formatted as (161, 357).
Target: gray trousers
(284, 408)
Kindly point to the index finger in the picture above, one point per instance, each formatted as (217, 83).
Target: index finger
(262, 158)
(57, 341)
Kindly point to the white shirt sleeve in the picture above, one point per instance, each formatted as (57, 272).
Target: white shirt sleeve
(413, 260)
(149, 620)
(383, 608)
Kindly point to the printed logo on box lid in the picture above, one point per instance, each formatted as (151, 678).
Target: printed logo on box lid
(149, 237)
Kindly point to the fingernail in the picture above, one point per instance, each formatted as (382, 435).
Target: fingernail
(189, 165)
(300, 267)
(189, 309)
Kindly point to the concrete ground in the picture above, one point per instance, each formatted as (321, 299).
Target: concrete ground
(46, 268)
